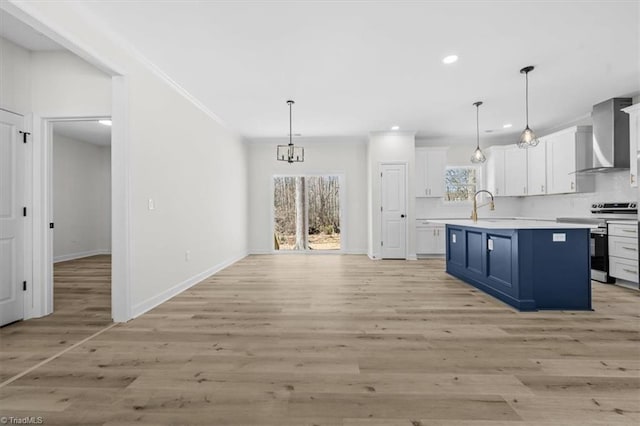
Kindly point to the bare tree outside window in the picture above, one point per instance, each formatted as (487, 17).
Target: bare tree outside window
(461, 183)
(306, 213)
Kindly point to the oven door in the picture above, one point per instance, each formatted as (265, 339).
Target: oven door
(600, 255)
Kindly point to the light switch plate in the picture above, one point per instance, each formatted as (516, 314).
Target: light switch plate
(152, 204)
(453, 238)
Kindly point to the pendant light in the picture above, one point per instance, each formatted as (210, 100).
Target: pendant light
(478, 156)
(528, 137)
(290, 153)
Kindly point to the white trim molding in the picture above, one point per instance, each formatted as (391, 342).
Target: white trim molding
(152, 302)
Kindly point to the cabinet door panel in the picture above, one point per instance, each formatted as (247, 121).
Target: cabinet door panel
(424, 240)
(420, 173)
(436, 165)
(499, 260)
(495, 172)
(515, 164)
(475, 249)
(562, 158)
(537, 169)
(441, 241)
(634, 136)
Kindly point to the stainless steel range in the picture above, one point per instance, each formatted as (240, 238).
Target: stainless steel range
(601, 215)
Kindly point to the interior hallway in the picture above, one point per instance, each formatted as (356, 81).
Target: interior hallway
(335, 340)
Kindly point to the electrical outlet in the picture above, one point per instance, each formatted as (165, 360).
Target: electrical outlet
(187, 255)
(152, 204)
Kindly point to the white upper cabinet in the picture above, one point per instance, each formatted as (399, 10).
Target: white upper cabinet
(430, 168)
(515, 171)
(537, 169)
(494, 170)
(634, 144)
(567, 151)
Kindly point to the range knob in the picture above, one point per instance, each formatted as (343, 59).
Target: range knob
(593, 206)
(600, 206)
(632, 205)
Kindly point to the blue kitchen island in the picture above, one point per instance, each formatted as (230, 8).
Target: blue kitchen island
(527, 264)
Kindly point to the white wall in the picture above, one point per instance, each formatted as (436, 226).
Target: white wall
(195, 170)
(62, 84)
(15, 77)
(81, 198)
(389, 147)
(344, 157)
(612, 186)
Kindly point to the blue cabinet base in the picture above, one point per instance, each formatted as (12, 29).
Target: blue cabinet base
(529, 269)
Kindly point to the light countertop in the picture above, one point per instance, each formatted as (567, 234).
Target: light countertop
(430, 219)
(624, 221)
(512, 224)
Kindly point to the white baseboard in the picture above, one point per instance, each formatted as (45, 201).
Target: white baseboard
(356, 251)
(158, 299)
(412, 257)
(259, 251)
(322, 252)
(79, 255)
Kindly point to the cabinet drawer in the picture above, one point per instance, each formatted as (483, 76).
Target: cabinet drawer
(624, 247)
(623, 268)
(623, 230)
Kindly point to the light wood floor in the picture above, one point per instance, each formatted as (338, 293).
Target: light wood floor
(326, 340)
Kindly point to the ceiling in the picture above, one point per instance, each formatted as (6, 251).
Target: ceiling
(86, 131)
(23, 35)
(354, 67)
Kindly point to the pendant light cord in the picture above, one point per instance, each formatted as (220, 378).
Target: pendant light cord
(477, 126)
(290, 125)
(526, 79)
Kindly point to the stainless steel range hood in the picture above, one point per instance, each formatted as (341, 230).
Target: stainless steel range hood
(610, 136)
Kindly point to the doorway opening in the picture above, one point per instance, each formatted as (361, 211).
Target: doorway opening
(80, 194)
(307, 213)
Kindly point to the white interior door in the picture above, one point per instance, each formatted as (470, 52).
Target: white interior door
(11, 218)
(394, 211)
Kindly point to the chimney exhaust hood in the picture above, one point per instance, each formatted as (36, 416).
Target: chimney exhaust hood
(610, 136)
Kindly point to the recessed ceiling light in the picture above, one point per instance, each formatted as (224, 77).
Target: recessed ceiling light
(105, 122)
(506, 126)
(450, 59)
(395, 128)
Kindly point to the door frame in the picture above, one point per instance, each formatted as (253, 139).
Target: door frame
(343, 214)
(406, 203)
(45, 293)
(42, 202)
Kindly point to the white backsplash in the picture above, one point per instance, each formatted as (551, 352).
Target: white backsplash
(438, 208)
(612, 186)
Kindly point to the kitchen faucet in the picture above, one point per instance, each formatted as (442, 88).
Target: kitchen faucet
(474, 213)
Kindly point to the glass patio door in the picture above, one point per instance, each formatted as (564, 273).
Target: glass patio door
(306, 213)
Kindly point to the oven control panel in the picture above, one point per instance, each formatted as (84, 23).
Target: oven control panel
(619, 208)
